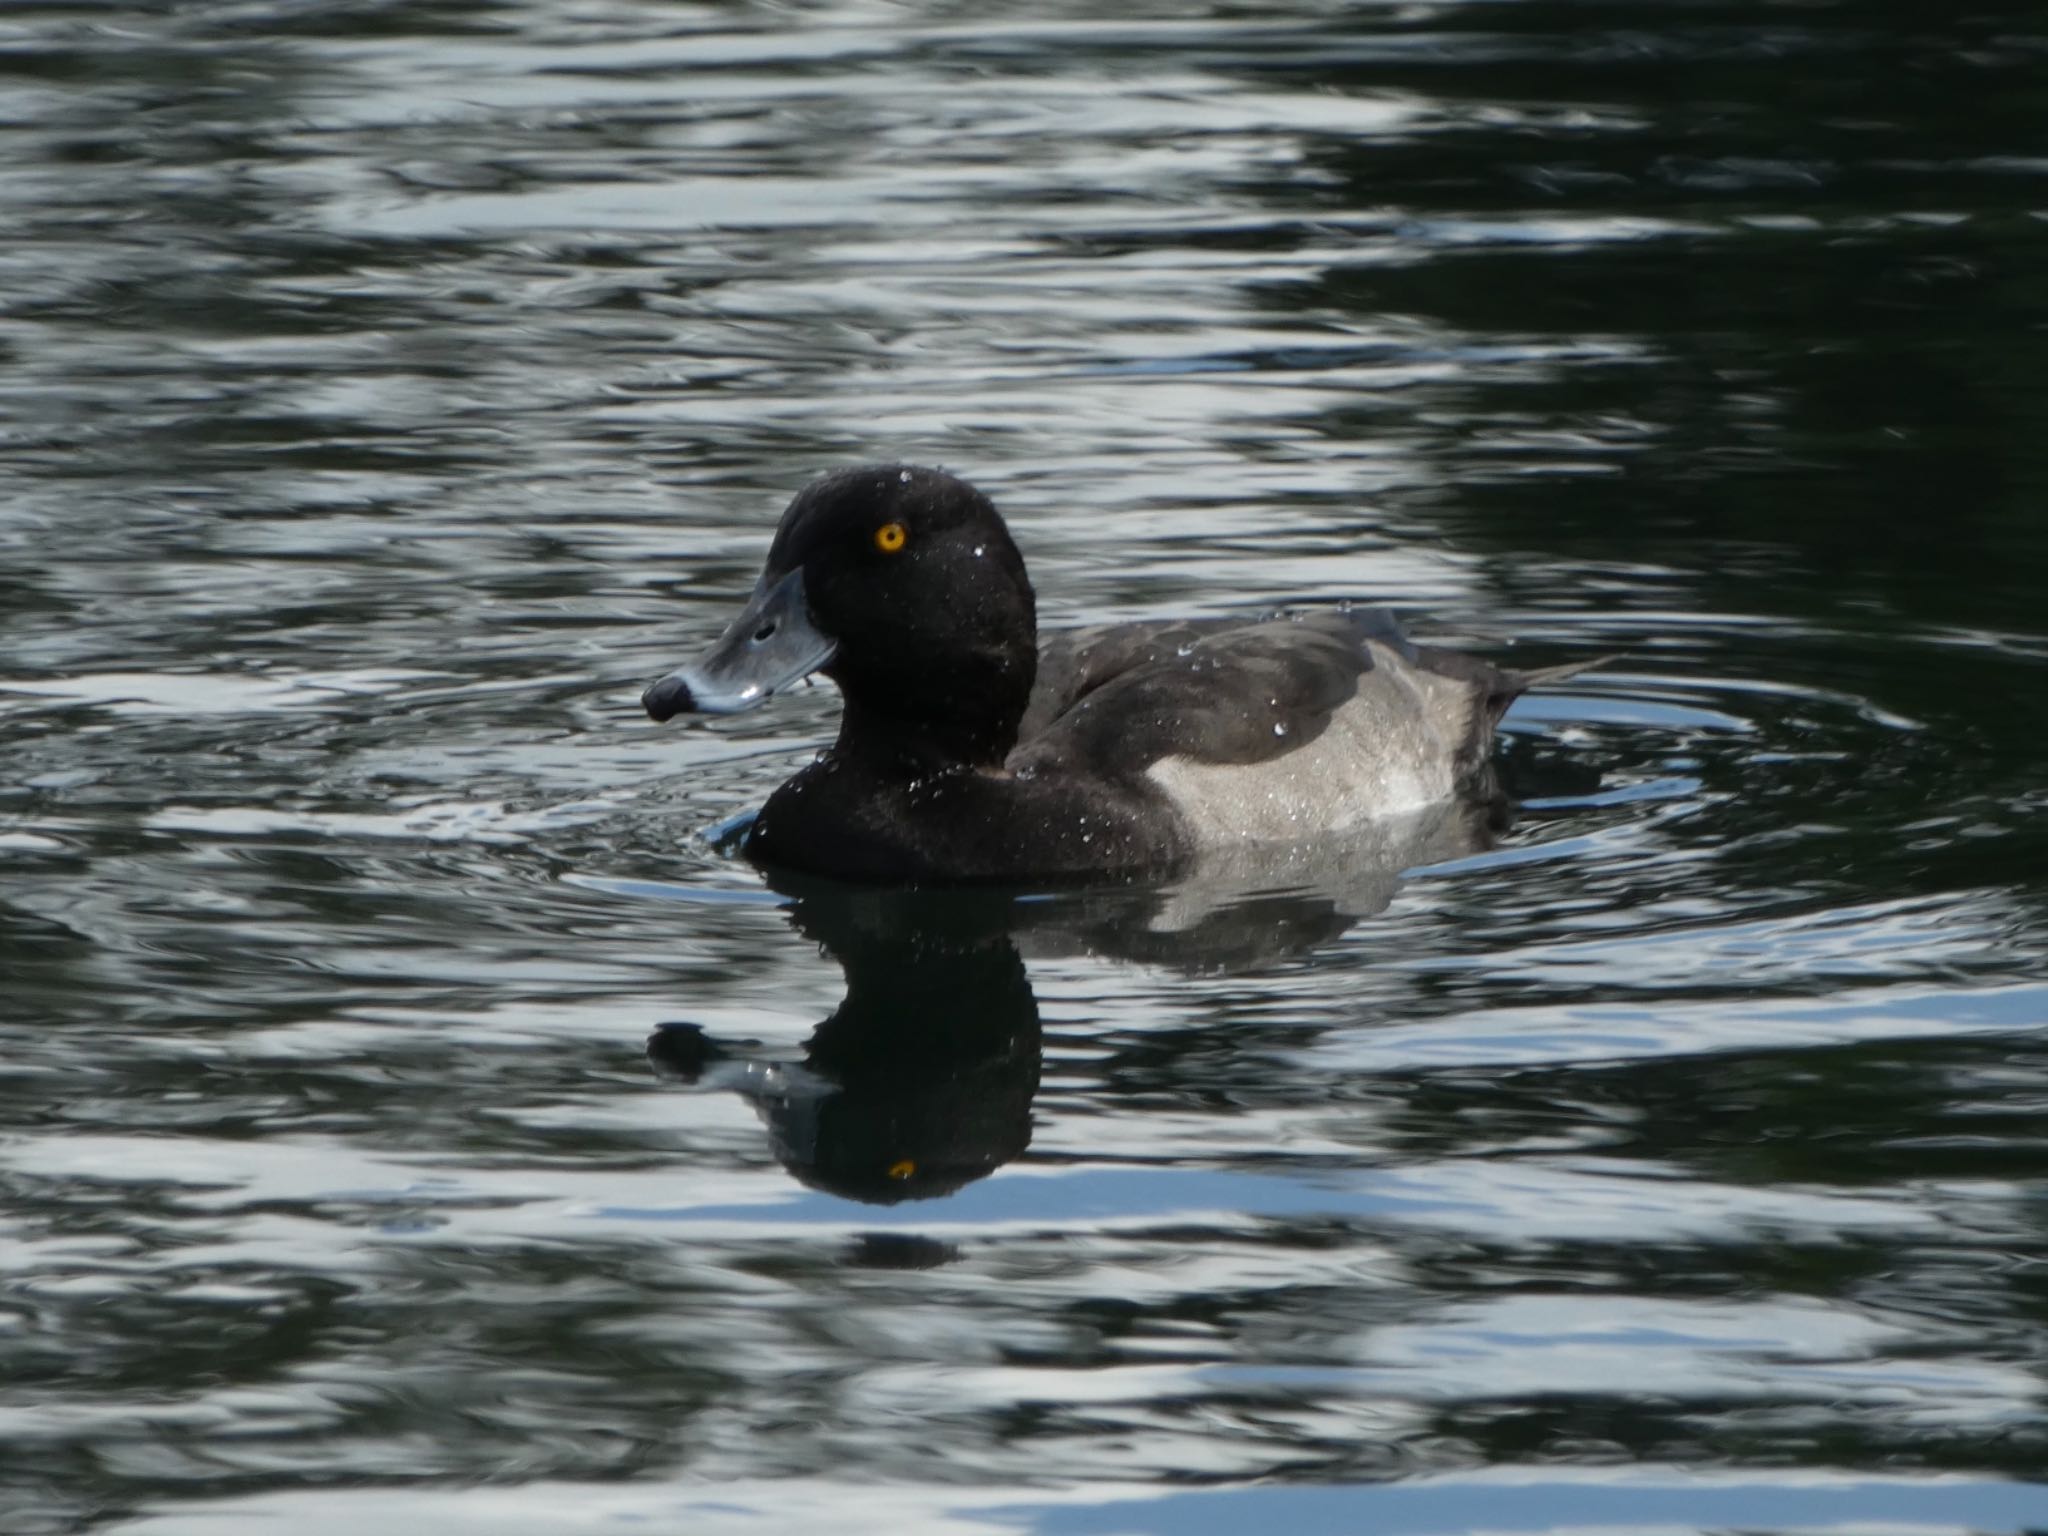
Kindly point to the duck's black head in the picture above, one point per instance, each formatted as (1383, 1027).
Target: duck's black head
(903, 586)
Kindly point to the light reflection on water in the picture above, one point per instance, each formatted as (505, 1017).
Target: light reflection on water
(390, 394)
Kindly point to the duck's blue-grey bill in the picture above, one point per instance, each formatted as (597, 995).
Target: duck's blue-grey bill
(772, 644)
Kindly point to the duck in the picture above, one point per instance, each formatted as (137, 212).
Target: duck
(971, 750)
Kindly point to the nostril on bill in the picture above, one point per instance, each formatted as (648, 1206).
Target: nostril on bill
(764, 631)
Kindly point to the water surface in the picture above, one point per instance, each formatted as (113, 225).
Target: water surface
(391, 391)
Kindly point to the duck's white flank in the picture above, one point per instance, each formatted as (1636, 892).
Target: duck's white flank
(1389, 750)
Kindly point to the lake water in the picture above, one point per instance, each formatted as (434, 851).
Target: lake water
(389, 391)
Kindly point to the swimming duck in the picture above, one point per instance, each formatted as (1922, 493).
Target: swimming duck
(969, 752)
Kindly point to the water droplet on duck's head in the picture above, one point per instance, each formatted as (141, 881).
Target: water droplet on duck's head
(978, 550)
(904, 477)
(1279, 728)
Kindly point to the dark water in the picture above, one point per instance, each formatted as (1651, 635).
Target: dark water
(388, 391)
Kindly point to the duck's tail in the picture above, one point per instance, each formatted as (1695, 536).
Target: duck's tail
(1513, 683)
(1543, 677)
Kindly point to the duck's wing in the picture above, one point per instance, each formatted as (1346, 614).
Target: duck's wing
(1076, 662)
(1294, 727)
(1218, 690)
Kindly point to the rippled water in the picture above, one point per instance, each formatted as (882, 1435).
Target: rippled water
(389, 391)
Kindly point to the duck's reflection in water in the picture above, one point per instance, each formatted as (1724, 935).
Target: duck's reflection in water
(921, 1081)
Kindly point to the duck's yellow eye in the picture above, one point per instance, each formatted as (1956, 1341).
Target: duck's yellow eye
(905, 1168)
(891, 537)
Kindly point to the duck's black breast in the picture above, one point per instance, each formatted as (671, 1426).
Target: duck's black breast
(855, 819)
